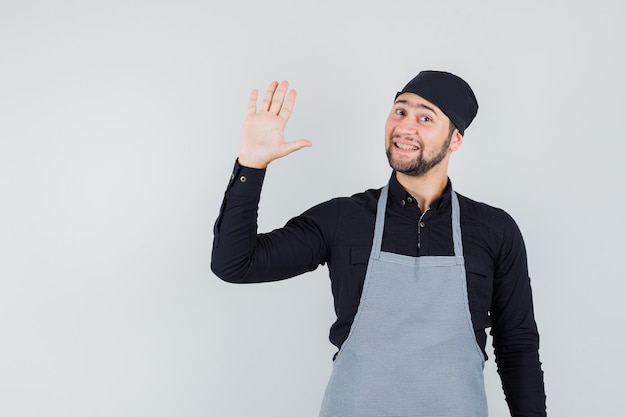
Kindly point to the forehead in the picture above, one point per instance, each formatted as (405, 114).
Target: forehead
(414, 101)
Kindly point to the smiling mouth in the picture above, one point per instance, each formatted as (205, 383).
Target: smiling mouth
(406, 147)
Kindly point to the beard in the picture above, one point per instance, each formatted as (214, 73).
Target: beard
(418, 166)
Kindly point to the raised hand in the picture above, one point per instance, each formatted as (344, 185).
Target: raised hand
(263, 132)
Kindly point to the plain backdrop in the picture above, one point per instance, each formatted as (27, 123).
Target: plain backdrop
(119, 126)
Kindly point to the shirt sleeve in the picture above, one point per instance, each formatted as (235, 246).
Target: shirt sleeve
(241, 255)
(514, 330)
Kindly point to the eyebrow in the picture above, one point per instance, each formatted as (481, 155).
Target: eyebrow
(417, 106)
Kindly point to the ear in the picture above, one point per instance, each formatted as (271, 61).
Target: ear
(457, 140)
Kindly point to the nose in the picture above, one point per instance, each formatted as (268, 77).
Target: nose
(406, 126)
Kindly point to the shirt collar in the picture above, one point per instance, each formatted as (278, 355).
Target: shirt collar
(401, 196)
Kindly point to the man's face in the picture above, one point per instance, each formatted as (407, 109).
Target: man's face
(417, 135)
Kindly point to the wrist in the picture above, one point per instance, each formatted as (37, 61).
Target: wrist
(251, 162)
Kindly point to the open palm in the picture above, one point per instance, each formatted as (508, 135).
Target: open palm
(263, 132)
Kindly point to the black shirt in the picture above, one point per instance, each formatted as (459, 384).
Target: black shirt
(339, 233)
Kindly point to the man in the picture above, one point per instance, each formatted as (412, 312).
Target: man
(418, 271)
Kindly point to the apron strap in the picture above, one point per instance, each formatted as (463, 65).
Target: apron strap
(380, 222)
(456, 225)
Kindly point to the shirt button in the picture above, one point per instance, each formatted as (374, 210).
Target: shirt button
(410, 200)
(422, 224)
(232, 176)
(403, 203)
(243, 178)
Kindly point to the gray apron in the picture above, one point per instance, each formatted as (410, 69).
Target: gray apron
(411, 350)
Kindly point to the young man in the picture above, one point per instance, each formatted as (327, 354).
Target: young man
(418, 271)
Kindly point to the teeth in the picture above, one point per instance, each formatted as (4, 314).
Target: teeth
(406, 147)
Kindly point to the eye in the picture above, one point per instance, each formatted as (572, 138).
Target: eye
(399, 112)
(425, 119)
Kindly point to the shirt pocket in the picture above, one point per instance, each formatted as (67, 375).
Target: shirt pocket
(359, 259)
(480, 290)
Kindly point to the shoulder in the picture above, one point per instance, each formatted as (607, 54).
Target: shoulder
(339, 218)
(349, 204)
(345, 211)
(488, 217)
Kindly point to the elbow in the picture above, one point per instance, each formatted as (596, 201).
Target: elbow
(225, 266)
(227, 273)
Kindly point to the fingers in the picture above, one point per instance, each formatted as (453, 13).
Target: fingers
(254, 95)
(279, 98)
(274, 99)
(267, 98)
(287, 106)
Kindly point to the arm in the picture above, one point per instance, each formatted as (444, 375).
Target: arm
(515, 335)
(239, 254)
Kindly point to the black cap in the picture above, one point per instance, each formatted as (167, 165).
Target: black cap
(448, 92)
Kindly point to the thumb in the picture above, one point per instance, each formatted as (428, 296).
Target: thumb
(289, 147)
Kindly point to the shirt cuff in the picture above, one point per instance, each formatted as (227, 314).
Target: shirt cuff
(246, 181)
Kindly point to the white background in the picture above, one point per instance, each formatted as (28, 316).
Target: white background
(119, 124)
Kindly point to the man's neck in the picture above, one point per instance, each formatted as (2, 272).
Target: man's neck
(426, 188)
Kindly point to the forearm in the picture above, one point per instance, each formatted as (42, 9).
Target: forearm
(520, 371)
(516, 346)
(242, 255)
(235, 229)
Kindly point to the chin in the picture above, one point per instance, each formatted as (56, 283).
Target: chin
(405, 168)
